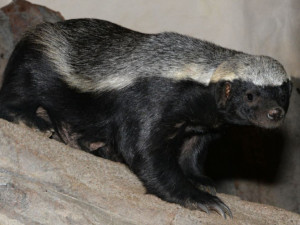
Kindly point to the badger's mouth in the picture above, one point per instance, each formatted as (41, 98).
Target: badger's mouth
(266, 124)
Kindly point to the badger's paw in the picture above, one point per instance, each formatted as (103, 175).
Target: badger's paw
(207, 203)
(204, 184)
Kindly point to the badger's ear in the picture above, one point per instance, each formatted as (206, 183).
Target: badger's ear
(223, 92)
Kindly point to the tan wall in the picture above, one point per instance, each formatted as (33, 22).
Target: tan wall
(269, 27)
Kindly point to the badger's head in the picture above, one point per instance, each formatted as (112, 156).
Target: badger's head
(252, 90)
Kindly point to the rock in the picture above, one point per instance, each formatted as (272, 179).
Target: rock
(15, 19)
(43, 181)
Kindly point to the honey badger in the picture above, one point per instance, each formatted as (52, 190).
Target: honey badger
(153, 101)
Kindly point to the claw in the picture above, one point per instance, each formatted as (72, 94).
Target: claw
(209, 202)
(219, 210)
(227, 210)
(204, 208)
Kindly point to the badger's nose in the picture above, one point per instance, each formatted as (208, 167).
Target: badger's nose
(276, 114)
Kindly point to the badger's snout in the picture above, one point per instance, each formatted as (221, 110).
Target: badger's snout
(276, 114)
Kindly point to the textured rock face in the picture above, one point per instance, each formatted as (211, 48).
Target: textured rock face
(15, 19)
(45, 182)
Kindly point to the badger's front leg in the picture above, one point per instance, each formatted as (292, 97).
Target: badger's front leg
(154, 160)
(191, 160)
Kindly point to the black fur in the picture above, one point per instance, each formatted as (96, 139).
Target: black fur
(160, 127)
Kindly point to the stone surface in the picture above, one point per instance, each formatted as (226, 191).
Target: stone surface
(43, 181)
(15, 19)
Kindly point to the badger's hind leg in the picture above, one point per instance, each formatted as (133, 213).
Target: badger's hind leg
(19, 97)
(99, 148)
(18, 111)
(19, 100)
(43, 115)
(59, 130)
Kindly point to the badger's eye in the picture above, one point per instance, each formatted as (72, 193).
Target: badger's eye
(282, 98)
(250, 97)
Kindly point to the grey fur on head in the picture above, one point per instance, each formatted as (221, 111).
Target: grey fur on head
(113, 57)
(259, 70)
